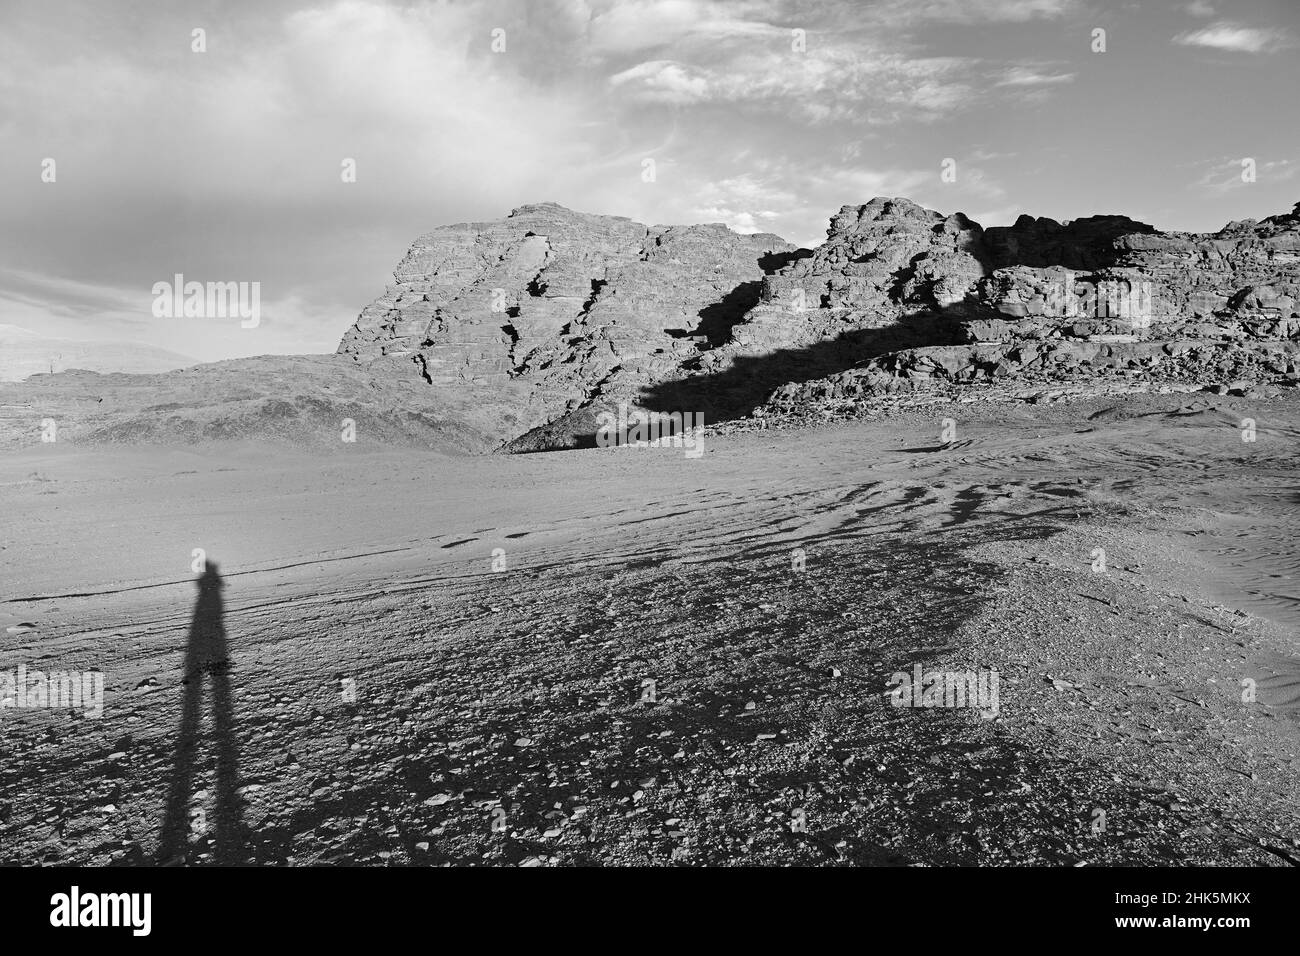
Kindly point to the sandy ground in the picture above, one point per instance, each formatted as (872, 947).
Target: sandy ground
(650, 679)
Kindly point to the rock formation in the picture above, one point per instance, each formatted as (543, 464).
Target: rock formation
(534, 316)
(527, 328)
(517, 334)
(1103, 302)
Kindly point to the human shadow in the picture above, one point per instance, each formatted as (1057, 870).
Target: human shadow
(218, 820)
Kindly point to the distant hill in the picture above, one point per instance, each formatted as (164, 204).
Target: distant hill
(24, 352)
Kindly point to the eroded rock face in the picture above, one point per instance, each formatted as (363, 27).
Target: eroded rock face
(1201, 275)
(536, 314)
(1098, 301)
(529, 327)
(883, 254)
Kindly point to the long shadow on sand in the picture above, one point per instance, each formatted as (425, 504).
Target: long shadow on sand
(206, 656)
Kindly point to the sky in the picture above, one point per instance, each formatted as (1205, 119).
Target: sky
(227, 164)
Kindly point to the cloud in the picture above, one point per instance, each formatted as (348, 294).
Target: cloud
(976, 11)
(832, 84)
(1026, 76)
(69, 298)
(983, 155)
(1222, 176)
(858, 63)
(746, 203)
(1223, 35)
(641, 25)
(795, 199)
(410, 92)
(226, 165)
(632, 27)
(664, 81)
(84, 311)
(1199, 8)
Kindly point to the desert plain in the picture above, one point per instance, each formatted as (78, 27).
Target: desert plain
(631, 656)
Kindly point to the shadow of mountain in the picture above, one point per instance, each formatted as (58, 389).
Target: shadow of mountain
(206, 656)
(774, 262)
(718, 319)
(1085, 245)
(748, 380)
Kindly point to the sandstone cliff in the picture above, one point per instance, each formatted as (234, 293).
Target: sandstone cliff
(1102, 303)
(517, 322)
(526, 328)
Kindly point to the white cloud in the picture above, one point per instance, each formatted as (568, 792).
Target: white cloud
(1026, 76)
(663, 81)
(1223, 35)
(640, 25)
(404, 91)
(1223, 175)
(833, 84)
(745, 203)
(976, 11)
(85, 311)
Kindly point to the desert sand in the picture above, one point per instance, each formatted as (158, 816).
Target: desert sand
(612, 655)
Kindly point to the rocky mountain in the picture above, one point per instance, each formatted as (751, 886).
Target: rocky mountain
(1097, 304)
(516, 323)
(531, 326)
